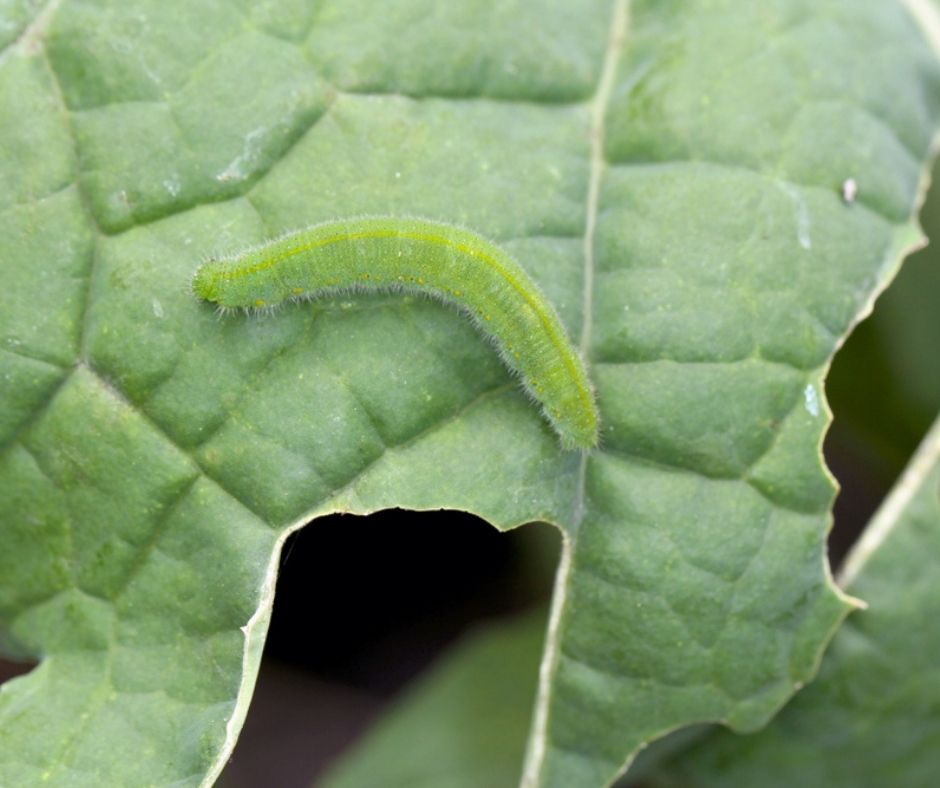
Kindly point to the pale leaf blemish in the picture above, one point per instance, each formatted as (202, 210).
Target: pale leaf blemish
(119, 201)
(172, 185)
(811, 400)
(239, 167)
(802, 215)
(157, 308)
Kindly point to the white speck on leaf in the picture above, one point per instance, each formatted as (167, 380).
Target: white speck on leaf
(849, 190)
(157, 308)
(811, 400)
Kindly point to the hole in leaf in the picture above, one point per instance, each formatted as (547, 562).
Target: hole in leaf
(884, 387)
(10, 669)
(365, 604)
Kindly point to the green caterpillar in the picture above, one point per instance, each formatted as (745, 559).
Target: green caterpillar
(422, 256)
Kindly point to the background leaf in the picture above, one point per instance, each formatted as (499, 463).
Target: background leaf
(870, 719)
(154, 458)
(469, 716)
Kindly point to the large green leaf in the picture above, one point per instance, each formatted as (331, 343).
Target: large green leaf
(670, 173)
(872, 718)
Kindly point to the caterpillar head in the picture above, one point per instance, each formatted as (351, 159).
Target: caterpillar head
(206, 281)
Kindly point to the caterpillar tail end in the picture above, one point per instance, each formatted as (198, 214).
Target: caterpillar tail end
(581, 436)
